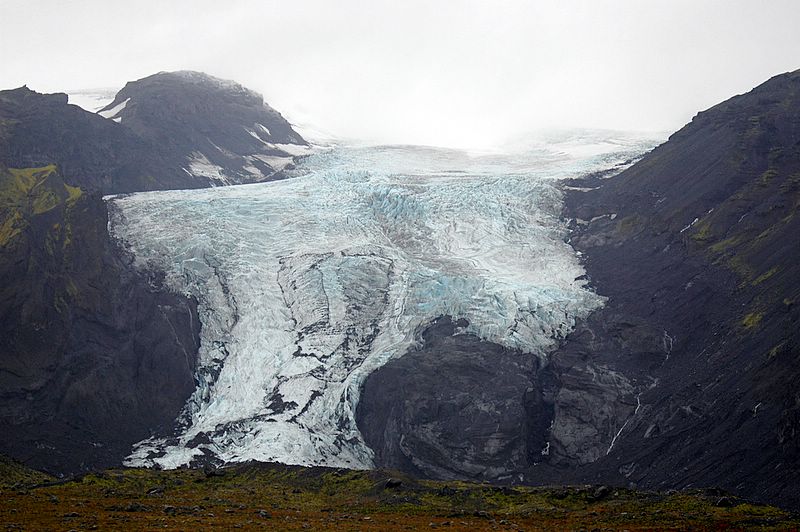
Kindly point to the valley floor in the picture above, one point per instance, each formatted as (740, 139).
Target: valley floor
(278, 497)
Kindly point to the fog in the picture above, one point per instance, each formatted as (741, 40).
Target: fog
(471, 74)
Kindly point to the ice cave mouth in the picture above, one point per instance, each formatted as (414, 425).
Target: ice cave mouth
(308, 285)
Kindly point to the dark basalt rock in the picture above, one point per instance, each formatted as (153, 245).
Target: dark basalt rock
(456, 407)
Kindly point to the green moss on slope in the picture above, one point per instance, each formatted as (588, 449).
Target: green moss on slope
(29, 192)
(273, 496)
(16, 475)
(752, 320)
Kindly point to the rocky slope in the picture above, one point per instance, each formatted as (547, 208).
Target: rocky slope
(95, 355)
(688, 376)
(700, 262)
(215, 130)
(457, 407)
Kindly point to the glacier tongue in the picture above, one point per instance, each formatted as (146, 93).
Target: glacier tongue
(307, 285)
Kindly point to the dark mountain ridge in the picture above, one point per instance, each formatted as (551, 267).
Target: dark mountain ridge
(90, 151)
(175, 130)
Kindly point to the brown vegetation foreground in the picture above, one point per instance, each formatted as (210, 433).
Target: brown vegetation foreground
(279, 497)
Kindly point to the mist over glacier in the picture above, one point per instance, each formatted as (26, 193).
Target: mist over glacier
(307, 285)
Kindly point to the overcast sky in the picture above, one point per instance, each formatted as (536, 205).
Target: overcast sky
(451, 73)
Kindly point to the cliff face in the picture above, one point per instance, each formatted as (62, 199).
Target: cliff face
(457, 407)
(94, 354)
(688, 376)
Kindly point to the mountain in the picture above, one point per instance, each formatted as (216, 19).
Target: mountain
(687, 376)
(216, 129)
(94, 353)
(167, 131)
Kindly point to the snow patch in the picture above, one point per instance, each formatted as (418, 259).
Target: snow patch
(114, 111)
(222, 150)
(275, 162)
(264, 129)
(690, 225)
(254, 135)
(92, 100)
(546, 450)
(254, 172)
(291, 149)
(580, 189)
(200, 166)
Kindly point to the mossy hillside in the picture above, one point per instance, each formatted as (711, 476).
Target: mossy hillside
(749, 222)
(762, 166)
(10, 226)
(37, 212)
(753, 232)
(257, 496)
(26, 193)
(752, 320)
(42, 281)
(18, 182)
(16, 475)
(630, 225)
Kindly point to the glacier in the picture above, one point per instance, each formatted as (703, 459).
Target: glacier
(306, 285)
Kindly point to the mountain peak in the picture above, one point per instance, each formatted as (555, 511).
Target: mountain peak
(201, 80)
(224, 131)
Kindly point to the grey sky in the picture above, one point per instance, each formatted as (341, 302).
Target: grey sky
(457, 73)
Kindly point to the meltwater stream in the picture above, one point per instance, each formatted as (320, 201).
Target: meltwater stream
(307, 285)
